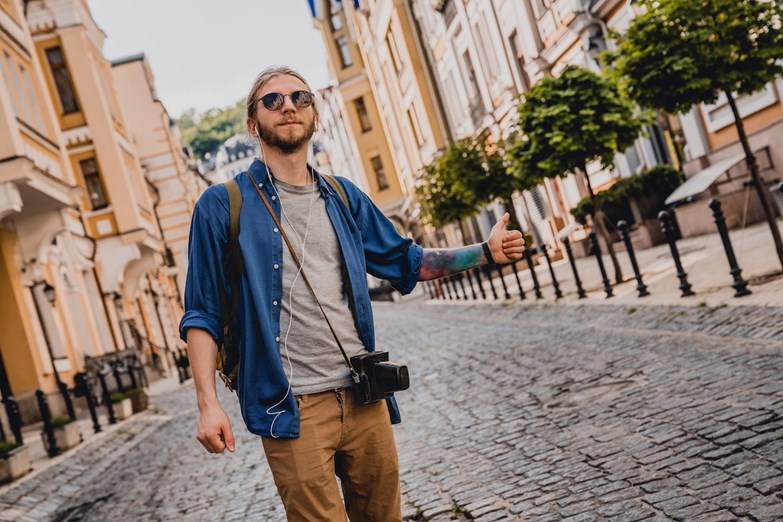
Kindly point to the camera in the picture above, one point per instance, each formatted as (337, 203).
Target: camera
(378, 378)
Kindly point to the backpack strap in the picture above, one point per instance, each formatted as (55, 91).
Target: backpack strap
(234, 209)
(337, 188)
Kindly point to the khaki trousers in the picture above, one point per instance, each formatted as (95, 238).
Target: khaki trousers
(338, 437)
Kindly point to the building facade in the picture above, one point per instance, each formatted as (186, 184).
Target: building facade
(85, 269)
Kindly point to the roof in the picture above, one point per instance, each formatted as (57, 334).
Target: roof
(702, 181)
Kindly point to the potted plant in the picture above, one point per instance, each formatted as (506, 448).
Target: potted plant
(66, 432)
(139, 399)
(14, 460)
(123, 407)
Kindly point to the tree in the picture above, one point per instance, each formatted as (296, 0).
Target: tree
(570, 121)
(680, 53)
(470, 173)
(206, 132)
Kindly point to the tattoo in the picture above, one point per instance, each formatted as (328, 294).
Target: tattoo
(438, 262)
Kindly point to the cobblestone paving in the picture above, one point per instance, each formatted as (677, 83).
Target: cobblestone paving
(543, 413)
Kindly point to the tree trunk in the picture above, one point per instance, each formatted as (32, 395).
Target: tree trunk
(761, 188)
(599, 219)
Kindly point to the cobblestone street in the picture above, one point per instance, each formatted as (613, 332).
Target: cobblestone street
(515, 412)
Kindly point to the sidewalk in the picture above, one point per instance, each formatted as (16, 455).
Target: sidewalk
(703, 259)
(33, 438)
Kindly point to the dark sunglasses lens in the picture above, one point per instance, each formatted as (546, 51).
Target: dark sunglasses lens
(272, 101)
(302, 99)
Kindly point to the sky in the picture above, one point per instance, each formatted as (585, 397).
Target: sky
(206, 53)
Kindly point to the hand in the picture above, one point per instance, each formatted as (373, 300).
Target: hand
(505, 245)
(214, 430)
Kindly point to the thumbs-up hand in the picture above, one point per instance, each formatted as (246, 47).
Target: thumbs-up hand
(505, 245)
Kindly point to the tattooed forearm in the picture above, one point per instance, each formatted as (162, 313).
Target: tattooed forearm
(438, 263)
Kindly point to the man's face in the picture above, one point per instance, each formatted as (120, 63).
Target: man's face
(289, 128)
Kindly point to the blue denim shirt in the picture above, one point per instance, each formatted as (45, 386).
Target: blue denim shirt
(368, 242)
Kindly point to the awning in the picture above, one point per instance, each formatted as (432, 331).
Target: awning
(702, 181)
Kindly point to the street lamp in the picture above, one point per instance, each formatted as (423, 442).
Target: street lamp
(51, 296)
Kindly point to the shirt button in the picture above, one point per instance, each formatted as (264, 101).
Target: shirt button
(277, 266)
(276, 230)
(274, 198)
(277, 339)
(274, 303)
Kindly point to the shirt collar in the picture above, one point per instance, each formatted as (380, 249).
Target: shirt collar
(258, 171)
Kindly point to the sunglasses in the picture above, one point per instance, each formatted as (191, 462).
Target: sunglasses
(274, 100)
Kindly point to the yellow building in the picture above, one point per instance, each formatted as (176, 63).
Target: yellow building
(119, 205)
(84, 268)
(347, 69)
(175, 183)
(51, 314)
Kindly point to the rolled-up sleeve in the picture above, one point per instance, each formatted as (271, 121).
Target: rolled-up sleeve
(388, 255)
(205, 278)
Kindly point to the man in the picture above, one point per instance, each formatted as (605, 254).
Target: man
(294, 387)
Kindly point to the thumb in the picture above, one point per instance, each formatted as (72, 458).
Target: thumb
(503, 221)
(228, 437)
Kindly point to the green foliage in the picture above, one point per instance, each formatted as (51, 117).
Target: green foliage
(121, 396)
(654, 184)
(570, 121)
(58, 421)
(6, 446)
(468, 174)
(206, 132)
(679, 53)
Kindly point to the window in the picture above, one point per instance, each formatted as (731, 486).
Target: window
(448, 8)
(364, 116)
(335, 9)
(519, 59)
(394, 52)
(345, 51)
(488, 59)
(414, 122)
(62, 79)
(540, 7)
(92, 180)
(380, 175)
(28, 85)
(471, 74)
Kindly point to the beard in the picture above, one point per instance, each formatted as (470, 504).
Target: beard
(286, 144)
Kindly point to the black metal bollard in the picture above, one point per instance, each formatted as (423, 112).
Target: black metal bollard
(740, 285)
(470, 283)
(536, 286)
(503, 282)
(488, 273)
(666, 225)
(83, 389)
(131, 374)
(48, 431)
(428, 286)
(477, 273)
(66, 394)
(106, 396)
(451, 279)
(115, 370)
(459, 277)
(640, 286)
(444, 283)
(558, 292)
(519, 283)
(14, 417)
(595, 247)
(570, 254)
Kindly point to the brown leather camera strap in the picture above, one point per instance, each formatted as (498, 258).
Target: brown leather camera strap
(354, 375)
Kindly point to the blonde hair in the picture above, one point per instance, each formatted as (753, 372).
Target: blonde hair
(263, 77)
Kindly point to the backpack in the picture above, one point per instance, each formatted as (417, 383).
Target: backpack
(228, 352)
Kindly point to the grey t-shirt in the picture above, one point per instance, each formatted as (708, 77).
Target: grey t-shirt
(315, 358)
